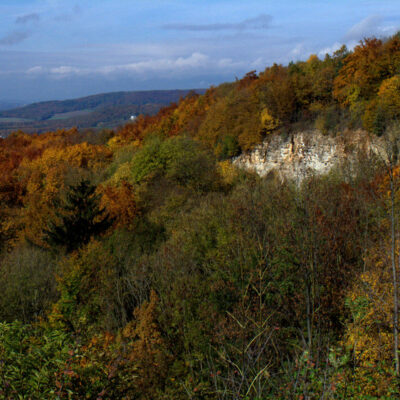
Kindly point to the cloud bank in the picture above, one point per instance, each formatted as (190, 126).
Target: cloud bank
(262, 21)
(24, 19)
(13, 38)
(373, 25)
(193, 63)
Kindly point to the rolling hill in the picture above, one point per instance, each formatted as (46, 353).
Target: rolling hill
(106, 110)
(9, 104)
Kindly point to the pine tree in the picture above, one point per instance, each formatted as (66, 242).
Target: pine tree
(80, 218)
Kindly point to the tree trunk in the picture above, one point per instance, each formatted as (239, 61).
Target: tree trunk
(394, 273)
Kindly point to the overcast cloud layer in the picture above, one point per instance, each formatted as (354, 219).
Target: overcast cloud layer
(57, 49)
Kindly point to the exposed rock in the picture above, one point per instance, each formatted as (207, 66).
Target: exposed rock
(300, 154)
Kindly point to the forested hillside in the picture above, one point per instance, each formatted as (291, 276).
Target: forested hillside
(142, 264)
(107, 110)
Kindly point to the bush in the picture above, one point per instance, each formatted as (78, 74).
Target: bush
(27, 284)
(181, 160)
(30, 359)
(229, 147)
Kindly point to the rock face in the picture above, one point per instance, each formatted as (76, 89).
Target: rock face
(301, 154)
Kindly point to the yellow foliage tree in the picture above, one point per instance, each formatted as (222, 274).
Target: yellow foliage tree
(119, 202)
(389, 96)
(45, 178)
(369, 335)
(147, 349)
(268, 122)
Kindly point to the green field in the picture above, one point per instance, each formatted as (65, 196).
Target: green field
(71, 114)
(13, 120)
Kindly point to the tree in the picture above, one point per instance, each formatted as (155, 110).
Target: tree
(363, 71)
(391, 160)
(389, 153)
(389, 96)
(80, 218)
(146, 349)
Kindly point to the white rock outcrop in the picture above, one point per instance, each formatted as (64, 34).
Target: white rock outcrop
(300, 154)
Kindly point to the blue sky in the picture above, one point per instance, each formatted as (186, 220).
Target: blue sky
(57, 49)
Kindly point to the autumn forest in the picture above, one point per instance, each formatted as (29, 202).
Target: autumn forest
(140, 263)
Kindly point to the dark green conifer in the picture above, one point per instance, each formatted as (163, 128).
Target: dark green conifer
(80, 218)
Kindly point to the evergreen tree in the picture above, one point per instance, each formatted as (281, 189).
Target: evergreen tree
(80, 218)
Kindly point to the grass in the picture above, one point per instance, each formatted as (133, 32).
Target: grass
(70, 114)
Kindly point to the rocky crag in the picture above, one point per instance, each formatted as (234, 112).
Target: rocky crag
(298, 155)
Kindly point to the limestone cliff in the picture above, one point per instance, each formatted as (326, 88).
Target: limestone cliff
(300, 154)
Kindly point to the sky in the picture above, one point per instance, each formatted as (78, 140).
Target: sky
(59, 49)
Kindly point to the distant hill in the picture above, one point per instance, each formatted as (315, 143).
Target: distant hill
(9, 104)
(106, 110)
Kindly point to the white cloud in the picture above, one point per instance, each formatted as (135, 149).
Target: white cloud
(298, 51)
(196, 60)
(35, 70)
(389, 30)
(330, 49)
(65, 70)
(369, 26)
(193, 63)
(225, 62)
(259, 63)
(178, 64)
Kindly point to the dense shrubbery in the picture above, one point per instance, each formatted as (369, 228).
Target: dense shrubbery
(204, 282)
